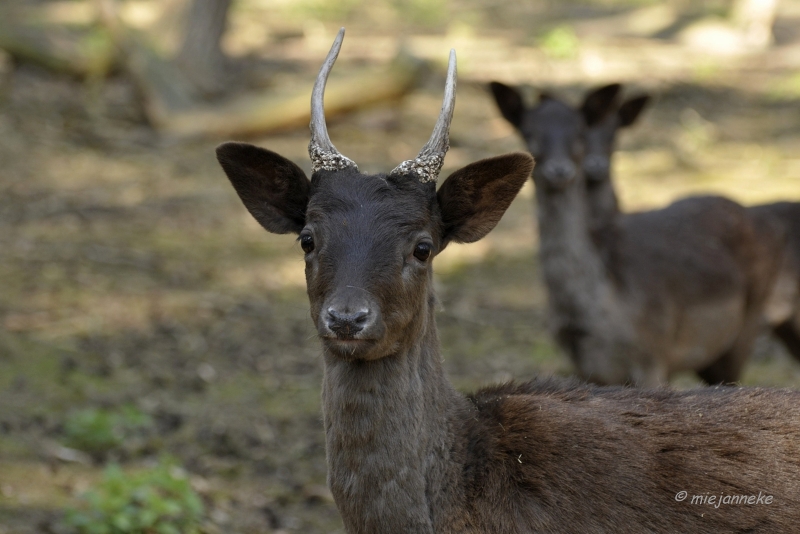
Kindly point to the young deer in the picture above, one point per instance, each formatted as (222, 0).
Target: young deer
(408, 454)
(647, 294)
(782, 311)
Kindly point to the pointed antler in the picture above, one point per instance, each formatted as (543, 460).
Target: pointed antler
(324, 155)
(427, 165)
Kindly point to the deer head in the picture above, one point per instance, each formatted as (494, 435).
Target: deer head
(600, 138)
(369, 239)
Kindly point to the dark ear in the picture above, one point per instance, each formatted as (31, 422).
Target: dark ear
(630, 110)
(274, 190)
(474, 198)
(599, 103)
(509, 100)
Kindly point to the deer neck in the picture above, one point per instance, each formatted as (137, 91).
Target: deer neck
(580, 293)
(605, 225)
(389, 433)
(602, 206)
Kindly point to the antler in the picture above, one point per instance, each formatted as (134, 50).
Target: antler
(427, 165)
(324, 155)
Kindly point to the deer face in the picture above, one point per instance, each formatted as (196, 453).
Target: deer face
(554, 131)
(601, 137)
(368, 243)
(599, 146)
(369, 240)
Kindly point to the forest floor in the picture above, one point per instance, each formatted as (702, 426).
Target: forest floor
(131, 275)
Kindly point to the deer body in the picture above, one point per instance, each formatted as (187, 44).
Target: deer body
(782, 312)
(583, 309)
(407, 453)
(697, 260)
(637, 297)
(769, 224)
(635, 318)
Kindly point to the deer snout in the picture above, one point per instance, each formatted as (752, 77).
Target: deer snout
(596, 167)
(346, 324)
(559, 172)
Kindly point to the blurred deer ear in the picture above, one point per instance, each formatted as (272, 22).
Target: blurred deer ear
(599, 103)
(273, 189)
(473, 199)
(510, 102)
(631, 109)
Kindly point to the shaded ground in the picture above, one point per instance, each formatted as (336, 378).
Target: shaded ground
(131, 274)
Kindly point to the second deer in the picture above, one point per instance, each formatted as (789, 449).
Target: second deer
(634, 298)
(782, 309)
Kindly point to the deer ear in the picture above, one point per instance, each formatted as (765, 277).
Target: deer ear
(599, 103)
(631, 109)
(509, 100)
(273, 189)
(473, 199)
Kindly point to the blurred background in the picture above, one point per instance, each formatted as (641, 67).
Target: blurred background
(158, 366)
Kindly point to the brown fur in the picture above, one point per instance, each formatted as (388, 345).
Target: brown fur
(613, 460)
(407, 453)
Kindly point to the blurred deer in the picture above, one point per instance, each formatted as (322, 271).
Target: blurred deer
(782, 311)
(407, 453)
(634, 298)
(599, 144)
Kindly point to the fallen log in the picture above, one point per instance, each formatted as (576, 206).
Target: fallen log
(276, 111)
(84, 53)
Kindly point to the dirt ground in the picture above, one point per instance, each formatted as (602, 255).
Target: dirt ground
(130, 273)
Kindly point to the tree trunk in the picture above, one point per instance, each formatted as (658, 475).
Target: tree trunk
(200, 58)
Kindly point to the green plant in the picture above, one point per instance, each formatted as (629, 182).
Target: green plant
(425, 12)
(786, 88)
(159, 500)
(97, 431)
(561, 42)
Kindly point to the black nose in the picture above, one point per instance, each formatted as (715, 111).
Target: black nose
(596, 167)
(347, 325)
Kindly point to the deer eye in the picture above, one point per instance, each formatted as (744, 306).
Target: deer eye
(307, 243)
(422, 251)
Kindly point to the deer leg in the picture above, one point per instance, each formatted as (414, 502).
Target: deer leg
(652, 377)
(789, 334)
(727, 369)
